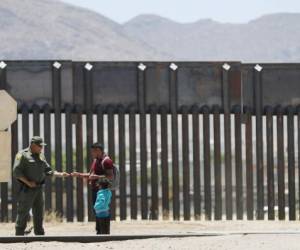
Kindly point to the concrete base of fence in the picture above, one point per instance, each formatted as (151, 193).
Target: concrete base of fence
(105, 238)
(96, 238)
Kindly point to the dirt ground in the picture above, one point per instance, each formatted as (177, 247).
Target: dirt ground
(285, 235)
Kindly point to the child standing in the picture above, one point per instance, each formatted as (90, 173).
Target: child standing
(101, 208)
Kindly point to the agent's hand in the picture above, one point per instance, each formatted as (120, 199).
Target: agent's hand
(61, 174)
(65, 174)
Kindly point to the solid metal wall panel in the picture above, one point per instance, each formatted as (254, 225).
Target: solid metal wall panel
(115, 84)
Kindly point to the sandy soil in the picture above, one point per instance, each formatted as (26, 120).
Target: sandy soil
(288, 241)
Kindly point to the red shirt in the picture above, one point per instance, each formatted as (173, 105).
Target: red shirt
(99, 167)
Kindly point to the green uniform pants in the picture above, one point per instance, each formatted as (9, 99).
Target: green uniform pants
(30, 198)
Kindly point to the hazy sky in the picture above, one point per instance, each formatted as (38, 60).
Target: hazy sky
(189, 10)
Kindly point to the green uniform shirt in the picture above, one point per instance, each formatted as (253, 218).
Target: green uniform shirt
(32, 166)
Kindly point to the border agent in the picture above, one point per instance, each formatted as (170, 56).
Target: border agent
(31, 169)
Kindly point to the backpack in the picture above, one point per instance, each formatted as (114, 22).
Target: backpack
(115, 183)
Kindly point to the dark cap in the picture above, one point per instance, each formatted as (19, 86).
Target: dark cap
(97, 145)
(38, 141)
